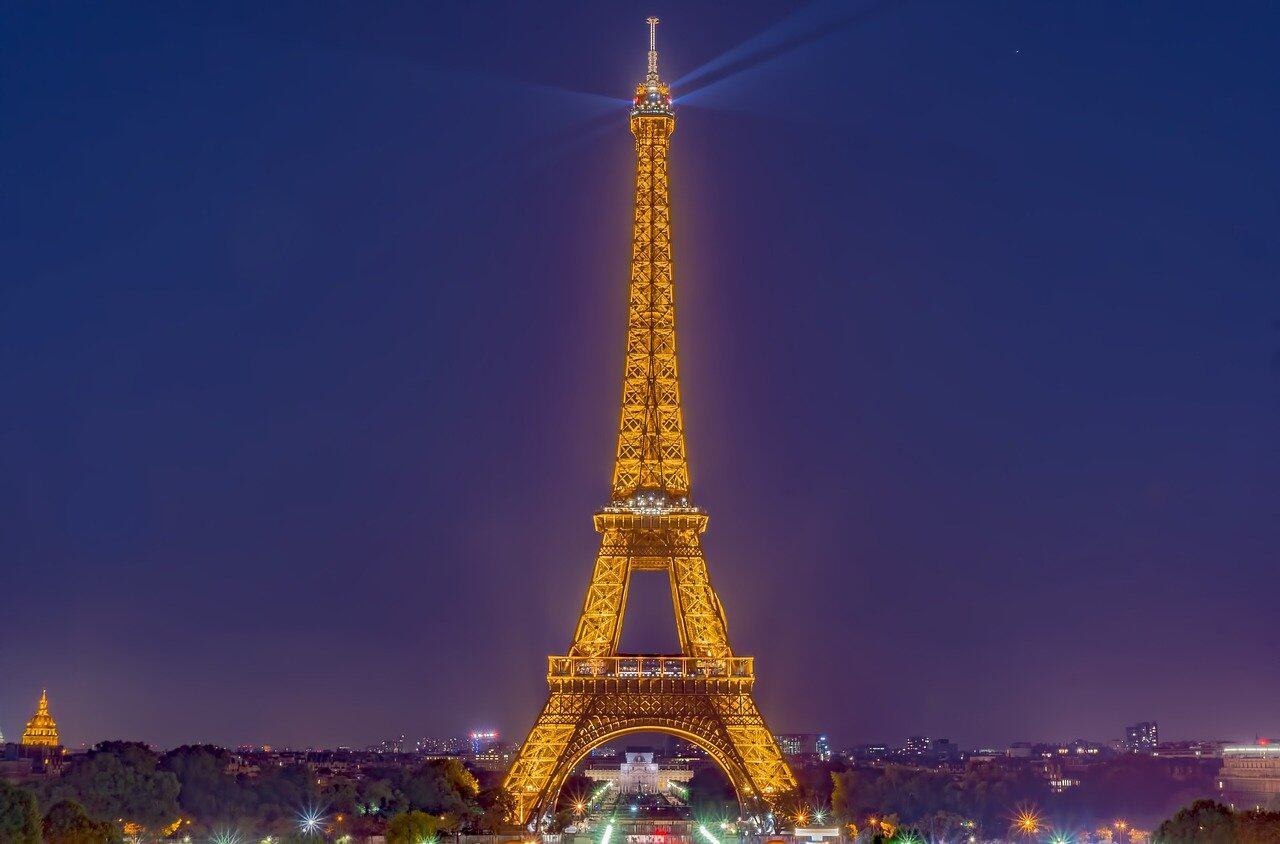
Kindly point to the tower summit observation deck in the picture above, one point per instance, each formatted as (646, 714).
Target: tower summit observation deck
(702, 694)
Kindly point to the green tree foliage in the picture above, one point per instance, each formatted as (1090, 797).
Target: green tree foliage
(1257, 827)
(439, 787)
(67, 823)
(207, 791)
(276, 795)
(1209, 822)
(120, 780)
(342, 795)
(983, 794)
(493, 805)
(412, 828)
(711, 795)
(19, 817)
(215, 799)
(126, 780)
(815, 783)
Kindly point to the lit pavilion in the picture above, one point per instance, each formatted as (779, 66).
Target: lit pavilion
(42, 730)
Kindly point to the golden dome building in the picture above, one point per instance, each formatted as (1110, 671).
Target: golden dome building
(42, 730)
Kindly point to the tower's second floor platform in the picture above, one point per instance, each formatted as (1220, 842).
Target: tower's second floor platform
(646, 670)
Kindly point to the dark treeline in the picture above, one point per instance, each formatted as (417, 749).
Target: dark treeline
(988, 797)
(1207, 822)
(983, 799)
(86, 802)
(96, 794)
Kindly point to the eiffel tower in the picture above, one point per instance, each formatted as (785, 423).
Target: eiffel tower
(702, 694)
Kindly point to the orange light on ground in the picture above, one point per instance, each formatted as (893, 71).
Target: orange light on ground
(1027, 821)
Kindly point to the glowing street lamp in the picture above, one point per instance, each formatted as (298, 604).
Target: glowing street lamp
(310, 821)
(1027, 821)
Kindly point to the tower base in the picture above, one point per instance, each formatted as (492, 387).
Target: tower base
(706, 702)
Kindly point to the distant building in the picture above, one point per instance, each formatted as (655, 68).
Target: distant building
(427, 746)
(944, 751)
(1020, 750)
(916, 745)
(1142, 737)
(811, 746)
(640, 774)
(496, 759)
(678, 747)
(872, 753)
(29, 763)
(1250, 776)
(42, 730)
(1189, 749)
(482, 741)
(238, 766)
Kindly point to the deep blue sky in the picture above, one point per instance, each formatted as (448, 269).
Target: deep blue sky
(310, 345)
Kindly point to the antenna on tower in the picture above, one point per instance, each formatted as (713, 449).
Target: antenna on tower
(651, 78)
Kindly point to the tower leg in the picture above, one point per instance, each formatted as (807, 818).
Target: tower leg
(540, 756)
(699, 615)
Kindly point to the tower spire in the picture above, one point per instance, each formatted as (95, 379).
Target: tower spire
(651, 78)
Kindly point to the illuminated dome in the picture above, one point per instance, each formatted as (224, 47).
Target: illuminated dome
(42, 730)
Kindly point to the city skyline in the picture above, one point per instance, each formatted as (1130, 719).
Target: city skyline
(313, 357)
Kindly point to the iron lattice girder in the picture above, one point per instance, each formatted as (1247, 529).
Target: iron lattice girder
(651, 447)
(638, 542)
(717, 714)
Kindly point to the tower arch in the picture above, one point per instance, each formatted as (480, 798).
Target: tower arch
(737, 775)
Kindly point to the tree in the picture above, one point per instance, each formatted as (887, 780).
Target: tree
(816, 782)
(711, 794)
(120, 780)
(1203, 822)
(206, 790)
(412, 828)
(1257, 827)
(495, 805)
(67, 823)
(19, 817)
(341, 795)
(439, 786)
(278, 793)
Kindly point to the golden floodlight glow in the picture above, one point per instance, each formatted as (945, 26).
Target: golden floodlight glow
(1027, 821)
(703, 694)
(42, 730)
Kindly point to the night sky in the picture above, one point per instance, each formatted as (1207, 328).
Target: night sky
(311, 329)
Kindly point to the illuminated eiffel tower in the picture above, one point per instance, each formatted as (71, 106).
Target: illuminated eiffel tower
(702, 694)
